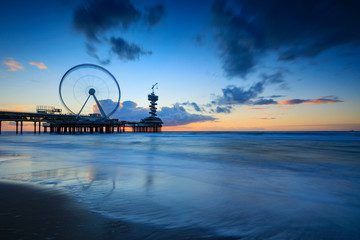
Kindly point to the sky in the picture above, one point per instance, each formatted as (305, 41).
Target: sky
(220, 65)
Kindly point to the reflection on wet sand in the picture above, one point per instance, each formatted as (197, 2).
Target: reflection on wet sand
(96, 173)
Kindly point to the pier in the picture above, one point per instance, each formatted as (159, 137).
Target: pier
(51, 120)
(69, 124)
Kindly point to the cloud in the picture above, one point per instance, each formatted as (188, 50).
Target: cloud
(238, 95)
(154, 14)
(255, 108)
(264, 118)
(232, 95)
(125, 50)
(97, 19)
(226, 109)
(91, 50)
(275, 78)
(39, 65)
(177, 115)
(17, 107)
(263, 102)
(320, 100)
(97, 16)
(13, 66)
(193, 105)
(293, 101)
(245, 30)
(171, 116)
(276, 96)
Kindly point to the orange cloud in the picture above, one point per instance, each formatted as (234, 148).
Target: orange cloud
(320, 100)
(271, 114)
(17, 107)
(255, 108)
(39, 65)
(13, 65)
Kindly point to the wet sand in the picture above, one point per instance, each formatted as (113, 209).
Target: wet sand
(29, 212)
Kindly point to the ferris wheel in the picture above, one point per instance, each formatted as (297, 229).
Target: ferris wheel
(87, 89)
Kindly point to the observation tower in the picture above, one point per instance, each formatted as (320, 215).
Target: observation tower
(152, 122)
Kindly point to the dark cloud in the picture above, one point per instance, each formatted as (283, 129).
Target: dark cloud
(320, 100)
(91, 50)
(97, 16)
(237, 38)
(277, 77)
(226, 109)
(194, 105)
(171, 116)
(238, 95)
(276, 96)
(247, 29)
(264, 102)
(125, 50)
(154, 14)
(232, 95)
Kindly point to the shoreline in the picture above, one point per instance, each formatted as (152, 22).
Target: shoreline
(34, 212)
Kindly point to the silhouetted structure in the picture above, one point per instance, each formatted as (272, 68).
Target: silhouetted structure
(56, 122)
(152, 123)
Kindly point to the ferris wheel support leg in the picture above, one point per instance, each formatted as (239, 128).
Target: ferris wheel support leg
(82, 107)
(99, 106)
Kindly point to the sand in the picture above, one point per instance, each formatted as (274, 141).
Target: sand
(32, 212)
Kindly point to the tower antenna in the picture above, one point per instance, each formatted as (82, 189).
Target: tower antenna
(156, 84)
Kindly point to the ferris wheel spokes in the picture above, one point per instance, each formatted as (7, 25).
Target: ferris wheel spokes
(81, 82)
(92, 93)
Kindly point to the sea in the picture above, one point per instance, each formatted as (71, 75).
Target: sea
(246, 185)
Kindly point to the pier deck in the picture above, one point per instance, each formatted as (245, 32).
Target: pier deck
(63, 123)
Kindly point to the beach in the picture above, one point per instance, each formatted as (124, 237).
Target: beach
(29, 212)
(181, 185)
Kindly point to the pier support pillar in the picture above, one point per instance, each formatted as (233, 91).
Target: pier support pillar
(0, 127)
(21, 127)
(39, 127)
(17, 127)
(34, 127)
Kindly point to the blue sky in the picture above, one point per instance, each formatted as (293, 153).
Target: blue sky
(246, 65)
